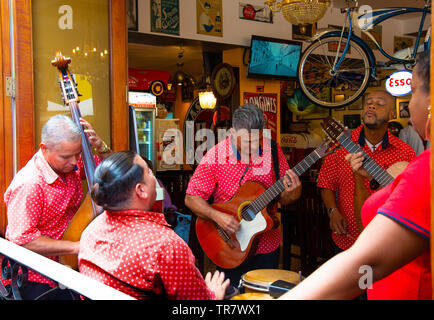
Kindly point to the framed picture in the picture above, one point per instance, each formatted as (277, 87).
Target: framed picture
(403, 109)
(304, 32)
(316, 113)
(358, 104)
(400, 43)
(132, 9)
(332, 46)
(352, 121)
(209, 17)
(165, 16)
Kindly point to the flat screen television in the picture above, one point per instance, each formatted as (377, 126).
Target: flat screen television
(275, 59)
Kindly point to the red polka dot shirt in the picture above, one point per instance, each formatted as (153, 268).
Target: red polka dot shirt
(40, 203)
(220, 173)
(336, 174)
(137, 253)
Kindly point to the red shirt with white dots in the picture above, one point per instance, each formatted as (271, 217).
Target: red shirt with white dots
(137, 253)
(40, 203)
(220, 173)
(336, 174)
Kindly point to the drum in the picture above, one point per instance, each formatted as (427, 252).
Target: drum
(253, 296)
(260, 280)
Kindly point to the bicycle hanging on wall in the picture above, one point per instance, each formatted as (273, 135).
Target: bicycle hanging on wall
(340, 59)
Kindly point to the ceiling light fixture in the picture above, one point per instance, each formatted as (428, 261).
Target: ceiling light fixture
(300, 12)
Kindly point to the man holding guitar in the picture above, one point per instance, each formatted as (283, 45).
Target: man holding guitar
(224, 169)
(337, 179)
(45, 194)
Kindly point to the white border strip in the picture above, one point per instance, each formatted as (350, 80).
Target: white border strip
(72, 279)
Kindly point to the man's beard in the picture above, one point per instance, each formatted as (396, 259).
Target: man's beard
(375, 125)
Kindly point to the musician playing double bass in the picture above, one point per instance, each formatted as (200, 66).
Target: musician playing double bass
(230, 164)
(46, 193)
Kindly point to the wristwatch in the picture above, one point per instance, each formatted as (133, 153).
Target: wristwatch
(104, 149)
(331, 210)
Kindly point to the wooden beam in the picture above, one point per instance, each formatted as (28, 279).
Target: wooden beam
(6, 130)
(24, 101)
(119, 76)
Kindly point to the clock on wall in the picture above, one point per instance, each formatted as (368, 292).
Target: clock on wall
(223, 81)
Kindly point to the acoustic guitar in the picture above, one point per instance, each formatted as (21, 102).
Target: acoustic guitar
(87, 211)
(252, 206)
(336, 131)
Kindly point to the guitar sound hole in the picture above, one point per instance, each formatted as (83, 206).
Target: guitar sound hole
(248, 214)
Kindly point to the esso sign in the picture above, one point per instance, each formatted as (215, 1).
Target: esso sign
(399, 83)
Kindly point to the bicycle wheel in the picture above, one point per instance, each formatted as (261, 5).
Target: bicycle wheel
(321, 84)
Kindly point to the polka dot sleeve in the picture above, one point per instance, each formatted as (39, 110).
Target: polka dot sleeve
(179, 275)
(204, 179)
(24, 211)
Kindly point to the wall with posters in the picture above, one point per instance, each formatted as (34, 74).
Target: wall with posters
(280, 28)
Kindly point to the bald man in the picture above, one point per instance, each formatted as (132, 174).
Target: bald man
(337, 179)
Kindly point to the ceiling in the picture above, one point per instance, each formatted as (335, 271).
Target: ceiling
(378, 4)
(161, 53)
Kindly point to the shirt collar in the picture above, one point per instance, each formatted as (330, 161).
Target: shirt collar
(235, 151)
(47, 172)
(156, 217)
(362, 139)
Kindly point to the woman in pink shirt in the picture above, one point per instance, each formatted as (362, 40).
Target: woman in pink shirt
(391, 257)
(134, 250)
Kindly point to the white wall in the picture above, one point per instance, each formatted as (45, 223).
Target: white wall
(238, 32)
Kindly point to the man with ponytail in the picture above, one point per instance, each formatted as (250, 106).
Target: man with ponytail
(134, 250)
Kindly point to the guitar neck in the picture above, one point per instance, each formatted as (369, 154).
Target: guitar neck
(86, 151)
(373, 168)
(277, 188)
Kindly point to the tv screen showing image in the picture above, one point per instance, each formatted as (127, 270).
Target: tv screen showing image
(275, 59)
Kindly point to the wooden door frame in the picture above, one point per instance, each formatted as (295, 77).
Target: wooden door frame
(6, 142)
(24, 97)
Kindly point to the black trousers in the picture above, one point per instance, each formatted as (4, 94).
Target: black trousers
(43, 291)
(259, 261)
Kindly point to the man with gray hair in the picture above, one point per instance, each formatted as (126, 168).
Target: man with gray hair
(245, 155)
(46, 193)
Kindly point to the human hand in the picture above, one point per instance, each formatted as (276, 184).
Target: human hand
(217, 283)
(227, 222)
(291, 181)
(356, 163)
(338, 224)
(93, 137)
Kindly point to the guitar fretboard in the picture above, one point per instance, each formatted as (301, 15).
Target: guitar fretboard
(374, 169)
(277, 188)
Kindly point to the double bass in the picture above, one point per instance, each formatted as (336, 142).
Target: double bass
(87, 211)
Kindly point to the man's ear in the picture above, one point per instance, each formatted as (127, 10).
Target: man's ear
(142, 191)
(44, 148)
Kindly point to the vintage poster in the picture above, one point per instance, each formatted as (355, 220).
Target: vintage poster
(209, 17)
(255, 13)
(268, 103)
(165, 16)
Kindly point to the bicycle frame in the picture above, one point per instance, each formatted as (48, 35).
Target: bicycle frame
(374, 17)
